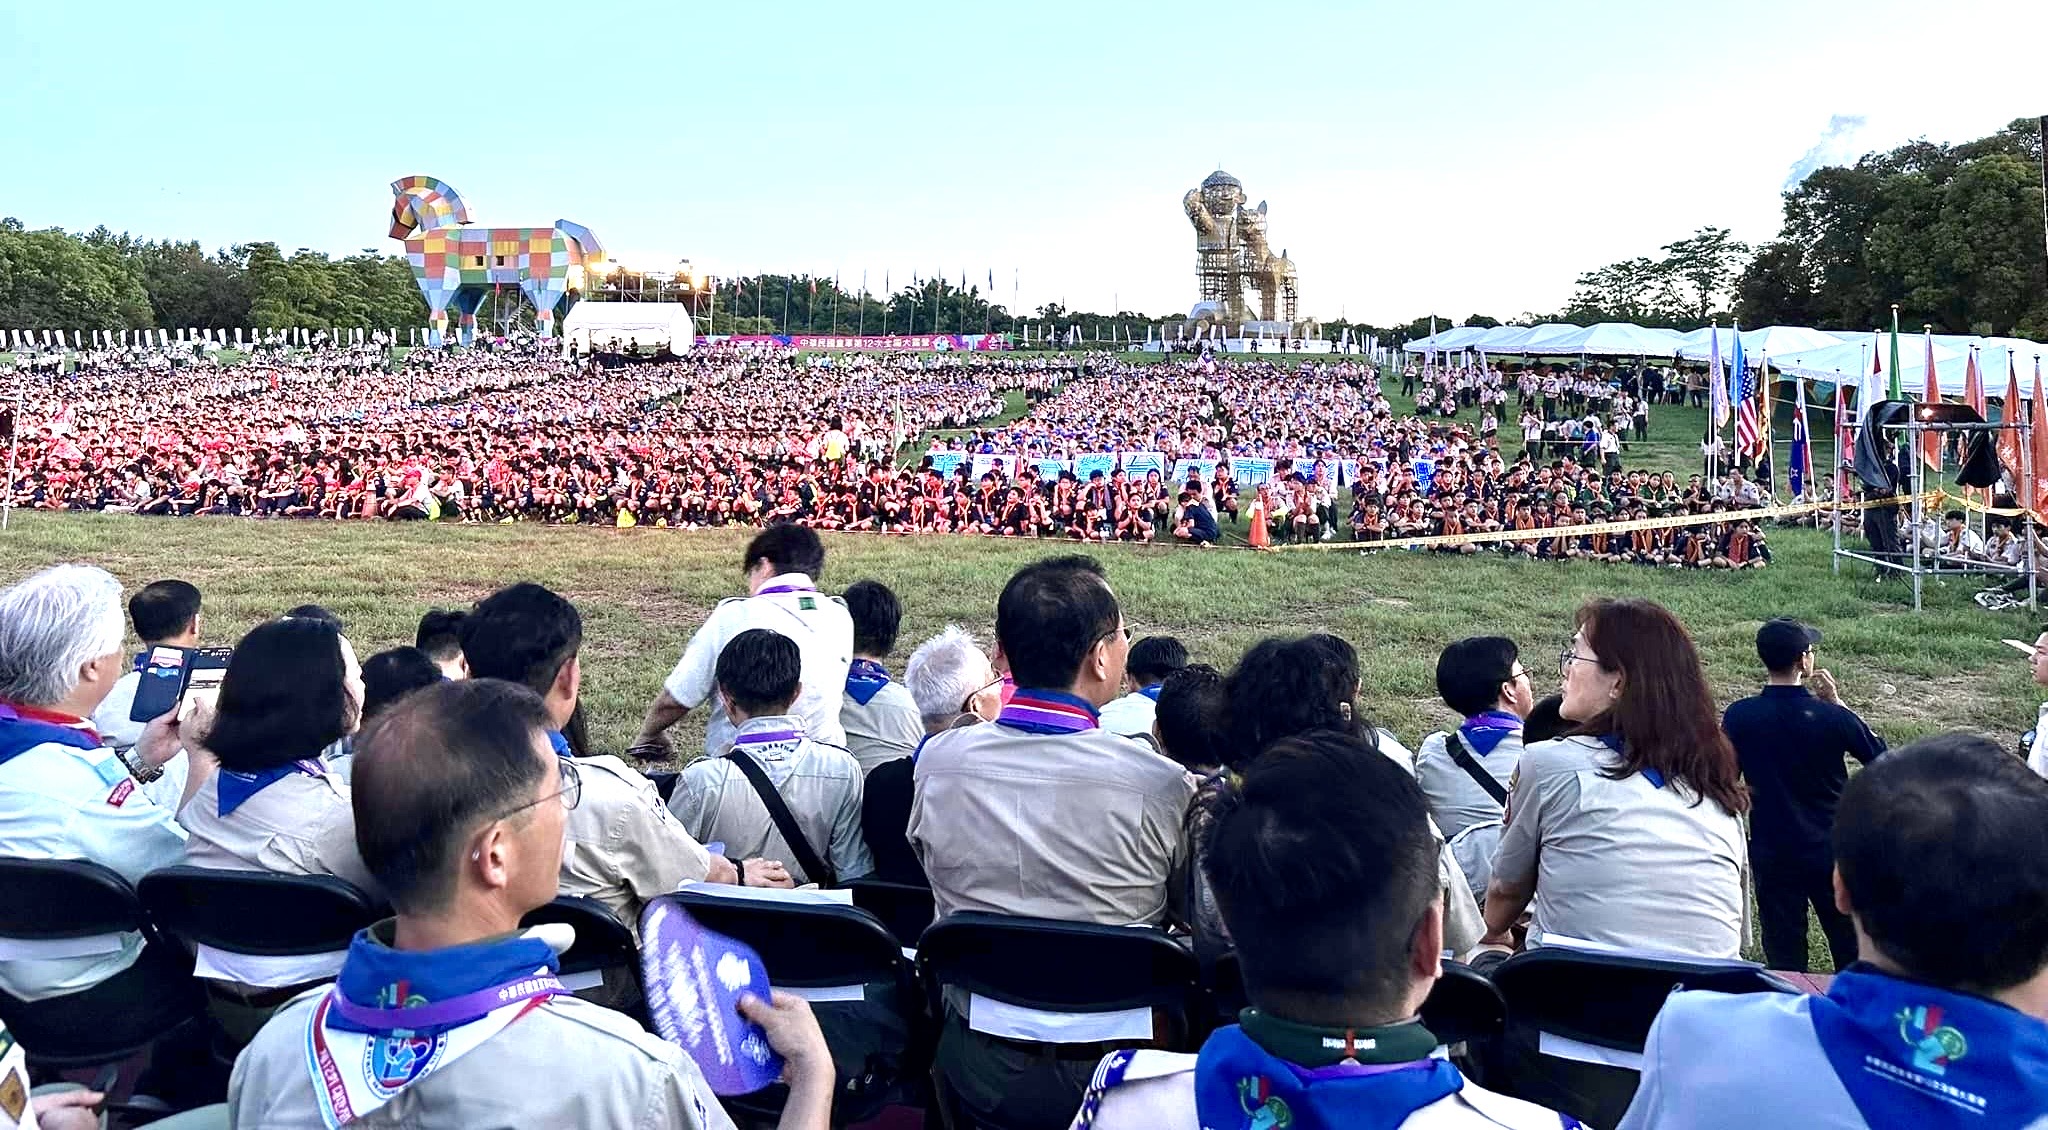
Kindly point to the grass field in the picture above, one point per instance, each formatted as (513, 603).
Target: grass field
(643, 591)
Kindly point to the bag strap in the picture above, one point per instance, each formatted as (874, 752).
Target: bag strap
(815, 869)
(1463, 756)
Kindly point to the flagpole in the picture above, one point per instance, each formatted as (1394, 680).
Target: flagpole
(13, 448)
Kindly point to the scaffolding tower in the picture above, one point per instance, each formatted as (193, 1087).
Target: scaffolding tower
(1232, 257)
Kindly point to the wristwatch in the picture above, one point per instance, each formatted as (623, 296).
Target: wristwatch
(144, 774)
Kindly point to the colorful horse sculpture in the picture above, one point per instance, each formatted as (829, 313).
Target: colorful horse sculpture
(458, 265)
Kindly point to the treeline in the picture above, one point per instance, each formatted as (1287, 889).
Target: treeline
(1952, 233)
(51, 279)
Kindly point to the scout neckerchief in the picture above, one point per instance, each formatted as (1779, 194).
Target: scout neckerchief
(1913, 1055)
(23, 728)
(395, 1017)
(236, 788)
(1265, 1072)
(1488, 729)
(865, 679)
(1037, 711)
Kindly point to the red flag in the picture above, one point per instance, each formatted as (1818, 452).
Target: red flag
(1841, 437)
(2009, 433)
(1973, 387)
(1930, 442)
(2038, 497)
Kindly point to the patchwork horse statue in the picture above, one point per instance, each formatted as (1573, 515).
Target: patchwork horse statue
(456, 264)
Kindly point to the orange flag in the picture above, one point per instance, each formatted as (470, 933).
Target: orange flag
(2009, 416)
(2038, 498)
(1930, 442)
(1973, 395)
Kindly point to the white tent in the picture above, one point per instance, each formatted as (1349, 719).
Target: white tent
(642, 326)
(1610, 339)
(1778, 341)
(1445, 341)
(1850, 360)
(1524, 339)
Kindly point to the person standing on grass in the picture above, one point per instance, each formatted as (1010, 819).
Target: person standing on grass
(780, 568)
(1792, 740)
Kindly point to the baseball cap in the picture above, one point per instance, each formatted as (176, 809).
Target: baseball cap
(1780, 642)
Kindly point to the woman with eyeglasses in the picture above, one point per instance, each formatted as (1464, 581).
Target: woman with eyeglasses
(291, 689)
(1624, 830)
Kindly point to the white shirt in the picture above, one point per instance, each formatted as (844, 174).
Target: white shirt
(61, 802)
(882, 729)
(2037, 754)
(823, 631)
(821, 784)
(1130, 715)
(110, 717)
(1624, 863)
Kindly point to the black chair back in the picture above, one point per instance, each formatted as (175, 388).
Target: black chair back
(56, 900)
(1462, 1006)
(260, 913)
(603, 964)
(1058, 966)
(906, 909)
(1610, 1000)
(1606, 1001)
(880, 1042)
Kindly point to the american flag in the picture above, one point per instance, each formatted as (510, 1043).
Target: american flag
(1748, 434)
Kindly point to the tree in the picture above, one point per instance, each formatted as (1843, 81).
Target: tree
(1705, 262)
(1482, 321)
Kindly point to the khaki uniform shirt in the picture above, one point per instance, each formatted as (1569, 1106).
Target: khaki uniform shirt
(566, 1063)
(883, 728)
(1085, 827)
(821, 784)
(621, 845)
(297, 825)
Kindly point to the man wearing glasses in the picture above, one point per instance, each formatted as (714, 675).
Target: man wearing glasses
(1791, 740)
(440, 1012)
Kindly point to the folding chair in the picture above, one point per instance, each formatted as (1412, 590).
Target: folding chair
(602, 966)
(1462, 1007)
(71, 908)
(861, 987)
(259, 938)
(1060, 993)
(904, 908)
(1577, 1022)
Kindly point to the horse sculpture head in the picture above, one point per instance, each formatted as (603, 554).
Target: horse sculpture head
(423, 204)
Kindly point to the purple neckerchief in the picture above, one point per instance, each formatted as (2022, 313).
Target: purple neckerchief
(446, 1013)
(807, 586)
(1048, 712)
(768, 737)
(1486, 730)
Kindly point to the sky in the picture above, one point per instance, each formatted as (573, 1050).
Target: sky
(1457, 156)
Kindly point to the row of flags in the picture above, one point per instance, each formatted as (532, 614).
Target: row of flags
(153, 338)
(1751, 409)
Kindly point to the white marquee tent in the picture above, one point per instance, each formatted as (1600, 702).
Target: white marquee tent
(634, 325)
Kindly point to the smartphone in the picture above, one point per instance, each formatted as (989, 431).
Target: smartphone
(175, 678)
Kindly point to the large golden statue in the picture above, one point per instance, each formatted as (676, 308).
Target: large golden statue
(1232, 255)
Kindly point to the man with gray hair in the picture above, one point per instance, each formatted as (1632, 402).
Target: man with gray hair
(950, 678)
(65, 795)
(953, 684)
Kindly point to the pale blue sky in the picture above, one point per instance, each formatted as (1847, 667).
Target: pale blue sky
(1467, 157)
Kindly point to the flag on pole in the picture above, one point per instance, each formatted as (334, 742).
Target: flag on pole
(1973, 387)
(1841, 436)
(2008, 419)
(1747, 431)
(1872, 389)
(1893, 389)
(1763, 376)
(1717, 381)
(2038, 496)
(1930, 394)
(1799, 461)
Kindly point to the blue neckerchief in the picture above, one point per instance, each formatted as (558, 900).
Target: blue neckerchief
(865, 679)
(19, 735)
(1914, 1055)
(1152, 692)
(1613, 742)
(1486, 730)
(236, 788)
(558, 743)
(1241, 1086)
(378, 976)
(141, 662)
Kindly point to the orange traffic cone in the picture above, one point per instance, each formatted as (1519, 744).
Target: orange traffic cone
(1257, 520)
